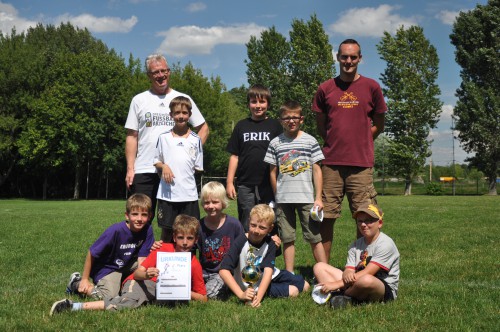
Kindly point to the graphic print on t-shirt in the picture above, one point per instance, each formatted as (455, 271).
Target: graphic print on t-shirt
(214, 250)
(348, 100)
(158, 119)
(291, 165)
(364, 260)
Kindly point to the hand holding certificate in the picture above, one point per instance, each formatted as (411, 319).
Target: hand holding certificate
(174, 280)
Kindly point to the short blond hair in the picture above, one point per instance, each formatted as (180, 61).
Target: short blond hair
(215, 190)
(180, 101)
(138, 202)
(263, 212)
(186, 224)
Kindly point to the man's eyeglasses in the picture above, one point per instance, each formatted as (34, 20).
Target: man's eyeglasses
(294, 118)
(345, 57)
(160, 71)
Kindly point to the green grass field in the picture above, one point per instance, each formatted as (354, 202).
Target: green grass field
(450, 275)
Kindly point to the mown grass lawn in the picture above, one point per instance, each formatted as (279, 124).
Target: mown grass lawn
(450, 273)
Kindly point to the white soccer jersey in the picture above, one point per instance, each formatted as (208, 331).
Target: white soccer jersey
(149, 115)
(184, 156)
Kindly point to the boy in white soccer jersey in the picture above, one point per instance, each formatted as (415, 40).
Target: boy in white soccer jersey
(179, 154)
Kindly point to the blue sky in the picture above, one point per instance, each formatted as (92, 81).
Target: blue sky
(212, 34)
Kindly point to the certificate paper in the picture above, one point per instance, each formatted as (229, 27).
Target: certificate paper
(174, 280)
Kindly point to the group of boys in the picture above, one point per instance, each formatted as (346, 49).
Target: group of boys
(272, 161)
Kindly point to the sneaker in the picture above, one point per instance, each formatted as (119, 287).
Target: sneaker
(73, 283)
(340, 301)
(60, 306)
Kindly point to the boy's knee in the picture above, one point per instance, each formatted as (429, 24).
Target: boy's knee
(366, 282)
(293, 291)
(319, 267)
(306, 286)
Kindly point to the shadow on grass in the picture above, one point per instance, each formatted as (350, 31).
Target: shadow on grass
(306, 272)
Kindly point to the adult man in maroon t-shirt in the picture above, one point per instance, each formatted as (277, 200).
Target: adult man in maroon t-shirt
(350, 112)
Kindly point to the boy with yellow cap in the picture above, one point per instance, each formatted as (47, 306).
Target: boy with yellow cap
(372, 270)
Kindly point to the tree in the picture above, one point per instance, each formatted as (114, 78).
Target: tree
(292, 69)
(311, 63)
(381, 145)
(409, 79)
(268, 64)
(218, 108)
(476, 36)
(66, 101)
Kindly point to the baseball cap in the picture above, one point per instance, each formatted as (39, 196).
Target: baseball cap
(371, 209)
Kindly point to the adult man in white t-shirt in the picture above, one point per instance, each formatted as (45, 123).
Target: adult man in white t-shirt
(148, 117)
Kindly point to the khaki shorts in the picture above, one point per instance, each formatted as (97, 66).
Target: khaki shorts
(134, 294)
(286, 218)
(356, 182)
(109, 285)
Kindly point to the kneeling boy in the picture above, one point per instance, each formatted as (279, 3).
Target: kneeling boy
(140, 287)
(116, 253)
(372, 269)
(259, 244)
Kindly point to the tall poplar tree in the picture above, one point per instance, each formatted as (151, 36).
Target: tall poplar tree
(292, 68)
(476, 36)
(411, 92)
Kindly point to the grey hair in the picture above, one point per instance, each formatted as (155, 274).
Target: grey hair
(155, 57)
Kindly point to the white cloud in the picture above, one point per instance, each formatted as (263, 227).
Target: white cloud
(447, 16)
(196, 7)
(9, 19)
(99, 24)
(181, 41)
(370, 22)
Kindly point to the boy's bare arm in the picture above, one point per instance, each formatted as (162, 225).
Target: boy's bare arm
(332, 286)
(273, 177)
(318, 185)
(198, 297)
(231, 172)
(229, 280)
(349, 276)
(166, 173)
(85, 285)
(143, 273)
(263, 286)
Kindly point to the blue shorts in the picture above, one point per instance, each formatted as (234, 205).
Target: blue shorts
(279, 286)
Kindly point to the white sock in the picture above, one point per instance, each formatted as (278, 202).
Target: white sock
(77, 306)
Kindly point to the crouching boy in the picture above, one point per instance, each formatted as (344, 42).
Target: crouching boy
(140, 287)
(372, 270)
(116, 253)
(258, 249)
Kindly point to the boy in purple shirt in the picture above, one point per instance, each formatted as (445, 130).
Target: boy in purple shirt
(116, 253)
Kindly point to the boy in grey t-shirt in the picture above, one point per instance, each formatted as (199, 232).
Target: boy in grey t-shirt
(372, 268)
(294, 158)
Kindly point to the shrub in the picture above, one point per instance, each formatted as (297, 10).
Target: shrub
(434, 189)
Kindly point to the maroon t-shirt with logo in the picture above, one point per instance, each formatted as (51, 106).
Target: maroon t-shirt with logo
(349, 107)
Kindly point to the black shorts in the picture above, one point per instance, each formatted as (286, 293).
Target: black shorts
(167, 211)
(388, 296)
(146, 183)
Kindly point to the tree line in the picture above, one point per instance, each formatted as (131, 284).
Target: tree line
(65, 97)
